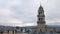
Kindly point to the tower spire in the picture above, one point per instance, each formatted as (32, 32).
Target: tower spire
(41, 19)
(40, 4)
(41, 16)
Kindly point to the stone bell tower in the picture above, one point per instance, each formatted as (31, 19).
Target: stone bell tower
(41, 20)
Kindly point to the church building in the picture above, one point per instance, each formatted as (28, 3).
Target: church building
(41, 23)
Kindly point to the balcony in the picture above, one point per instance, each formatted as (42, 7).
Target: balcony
(40, 15)
(41, 22)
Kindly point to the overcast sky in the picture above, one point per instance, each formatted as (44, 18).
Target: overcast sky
(24, 12)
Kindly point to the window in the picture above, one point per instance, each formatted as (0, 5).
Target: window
(40, 30)
(41, 19)
(40, 12)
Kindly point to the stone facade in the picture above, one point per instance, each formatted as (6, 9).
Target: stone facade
(41, 20)
(41, 26)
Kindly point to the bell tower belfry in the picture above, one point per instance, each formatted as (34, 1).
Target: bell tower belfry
(41, 19)
(41, 16)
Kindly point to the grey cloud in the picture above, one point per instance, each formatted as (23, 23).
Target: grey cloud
(27, 11)
(52, 10)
